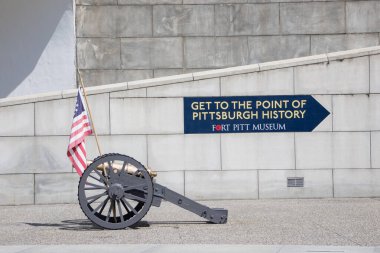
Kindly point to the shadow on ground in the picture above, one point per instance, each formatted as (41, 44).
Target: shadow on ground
(87, 225)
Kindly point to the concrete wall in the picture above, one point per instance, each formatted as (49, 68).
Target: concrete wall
(144, 119)
(37, 46)
(125, 40)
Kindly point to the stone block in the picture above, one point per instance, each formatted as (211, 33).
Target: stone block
(173, 72)
(174, 180)
(203, 185)
(100, 109)
(202, 152)
(149, 53)
(17, 120)
(100, 89)
(326, 102)
(114, 21)
(314, 150)
(34, 154)
(215, 52)
(271, 48)
(183, 20)
(96, 2)
(312, 18)
(160, 81)
(152, 2)
(96, 21)
(184, 152)
(375, 150)
(55, 117)
(102, 77)
(373, 50)
(146, 116)
(17, 189)
(258, 151)
(302, 61)
(290, 1)
(317, 184)
(56, 188)
(167, 72)
(374, 103)
(98, 53)
(357, 183)
(340, 42)
(375, 73)
(134, 146)
(214, 1)
(356, 112)
(225, 71)
(134, 21)
(338, 77)
(272, 82)
(247, 19)
(352, 113)
(351, 150)
(135, 93)
(363, 16)
(166, 152)
(199, 88)
(353, 53)
(32, 98)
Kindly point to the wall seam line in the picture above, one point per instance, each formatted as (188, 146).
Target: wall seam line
(370, 150)
(120, 58)
(220, 152)
(34, 188)
(295, 151)
(184, 65)
(333, 183)
(258, 185)
(369, 74)
(184, 183)
(294, 81)
(332, 113)
(310, 44)
(345, 17)
(279, 19)
(220, 86)
(152, 21)
(109, 113)
(34, 120)
(147, 156)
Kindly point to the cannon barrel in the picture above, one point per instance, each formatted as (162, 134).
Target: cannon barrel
(130, 169)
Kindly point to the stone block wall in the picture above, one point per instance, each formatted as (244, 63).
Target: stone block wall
(126, 40)
(144, 119)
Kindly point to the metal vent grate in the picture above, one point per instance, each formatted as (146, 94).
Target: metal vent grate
(295, 181)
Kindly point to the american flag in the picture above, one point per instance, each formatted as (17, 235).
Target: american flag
(80, 128)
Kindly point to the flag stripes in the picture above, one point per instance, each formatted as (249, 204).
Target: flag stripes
(80, 128)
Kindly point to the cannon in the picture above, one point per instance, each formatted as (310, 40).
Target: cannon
(116, 192)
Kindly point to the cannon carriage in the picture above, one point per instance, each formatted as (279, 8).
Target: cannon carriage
(116, 191)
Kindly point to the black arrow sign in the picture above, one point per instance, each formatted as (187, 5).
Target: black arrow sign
(298, 113)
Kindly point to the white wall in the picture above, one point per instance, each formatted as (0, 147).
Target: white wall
(37, 46)
(144, 119)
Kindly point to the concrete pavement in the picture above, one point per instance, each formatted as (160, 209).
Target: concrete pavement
(345, 223)
(184, 248)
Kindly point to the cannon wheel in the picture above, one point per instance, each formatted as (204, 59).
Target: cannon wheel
(115, 198)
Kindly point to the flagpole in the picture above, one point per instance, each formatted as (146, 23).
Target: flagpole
(89, 112)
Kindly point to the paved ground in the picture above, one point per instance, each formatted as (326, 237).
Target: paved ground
(343, 222)
(184, 248)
